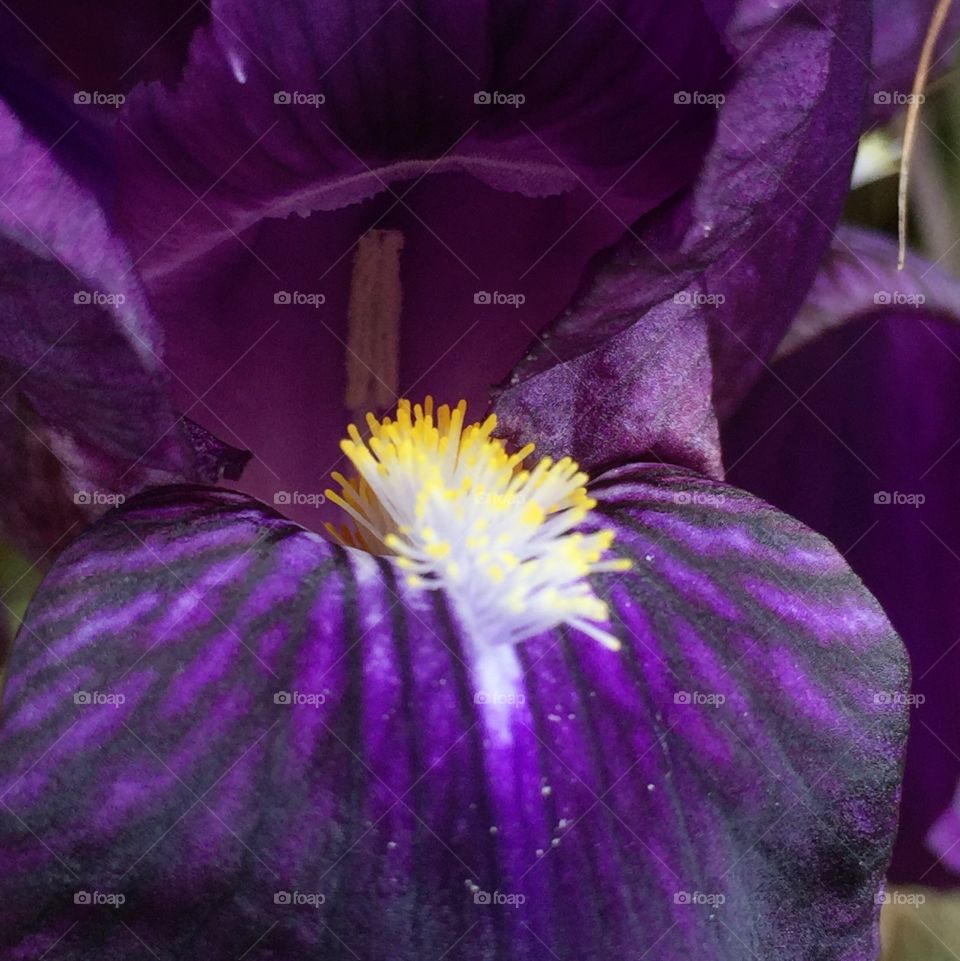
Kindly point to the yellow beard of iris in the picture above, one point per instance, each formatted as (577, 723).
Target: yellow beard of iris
(460, 513)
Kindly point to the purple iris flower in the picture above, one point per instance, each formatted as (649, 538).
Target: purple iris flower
(226, 734)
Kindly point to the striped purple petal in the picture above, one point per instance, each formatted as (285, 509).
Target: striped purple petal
(226, 737)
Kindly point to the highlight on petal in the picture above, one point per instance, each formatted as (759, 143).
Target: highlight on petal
(224, 734)
(854, 432)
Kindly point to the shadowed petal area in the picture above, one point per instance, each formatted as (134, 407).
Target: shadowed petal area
(489, 139)
(247, 364)
(271, 747)
(727, 265)
(855, 433)
(107, 53)
(319, 107)
(80, 372)
(40, 513)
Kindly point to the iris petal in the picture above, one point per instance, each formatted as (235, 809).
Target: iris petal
(210, 167)
(85, 397)
(270, 744)
(228, 197)
(719, 274)
(853, 432)
(391, 92)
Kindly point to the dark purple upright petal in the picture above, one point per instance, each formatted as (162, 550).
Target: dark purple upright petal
(271, 747)
(294, 108)
(247, 364)
(854, 432)
(729, 263)
(230, 199)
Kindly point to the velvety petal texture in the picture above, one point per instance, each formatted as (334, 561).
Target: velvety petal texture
(75, 329)
(726, 266)
(854, 432)
(224, 736)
